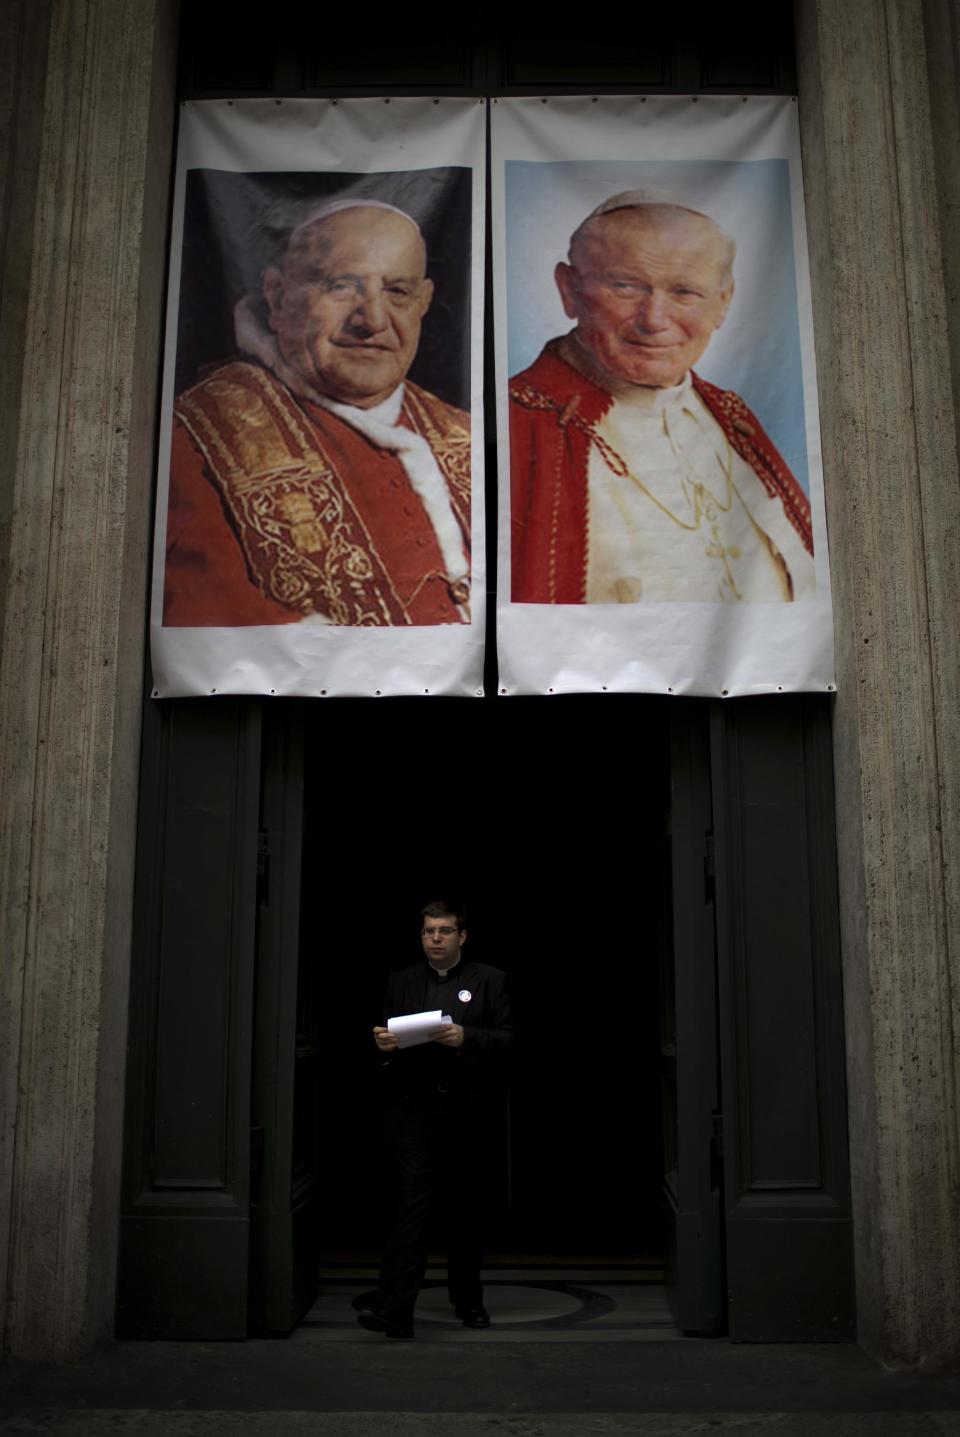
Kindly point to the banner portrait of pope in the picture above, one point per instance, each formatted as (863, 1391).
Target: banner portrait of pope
(320, 453)
(634, 477)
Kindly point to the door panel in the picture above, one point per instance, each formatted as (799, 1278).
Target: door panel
(689, 1072)
(788, 1226)
(184, 1229)
(285, 1117)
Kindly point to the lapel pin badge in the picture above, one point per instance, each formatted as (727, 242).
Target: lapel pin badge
(464, 995)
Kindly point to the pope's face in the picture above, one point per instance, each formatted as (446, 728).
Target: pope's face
(442, 940)
(348, 303)
(647, 287)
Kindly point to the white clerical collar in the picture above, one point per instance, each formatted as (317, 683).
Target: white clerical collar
(386, 412)
(639, 399)
(443, 972)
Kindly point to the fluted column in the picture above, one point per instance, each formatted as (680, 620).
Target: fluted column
(893, 505)
(82, 296)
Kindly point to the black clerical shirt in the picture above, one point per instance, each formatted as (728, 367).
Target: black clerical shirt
(430, 1064)
(440, 987)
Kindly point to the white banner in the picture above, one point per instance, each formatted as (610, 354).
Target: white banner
(320, 488)
(662, 523)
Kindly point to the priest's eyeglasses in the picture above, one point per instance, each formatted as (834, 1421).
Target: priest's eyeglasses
(444, 932)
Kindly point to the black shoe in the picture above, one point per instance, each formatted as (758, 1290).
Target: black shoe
(364, 1301)
(473, 1316)
(373, 1317)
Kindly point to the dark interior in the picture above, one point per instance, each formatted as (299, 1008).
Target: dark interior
(558, 850)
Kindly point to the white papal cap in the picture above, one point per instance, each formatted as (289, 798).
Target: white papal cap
(634, 199)
(334, 207)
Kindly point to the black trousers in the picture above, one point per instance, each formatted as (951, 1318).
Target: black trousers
(437, 1153)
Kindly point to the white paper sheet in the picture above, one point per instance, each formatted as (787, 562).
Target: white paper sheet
(414, 1028)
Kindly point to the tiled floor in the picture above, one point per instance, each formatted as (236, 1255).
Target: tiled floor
(545, 1305)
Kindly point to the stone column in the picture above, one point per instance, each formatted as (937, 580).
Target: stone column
(893, 508)
(83, 281)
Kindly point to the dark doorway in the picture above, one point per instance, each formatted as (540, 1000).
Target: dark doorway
(551, 825)
(257, 973)
(251, 1128)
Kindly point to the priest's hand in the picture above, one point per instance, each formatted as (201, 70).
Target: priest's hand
(384, 1039)
(450, 1035)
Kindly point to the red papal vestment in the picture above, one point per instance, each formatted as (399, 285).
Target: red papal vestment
(279, 510)
(554, 409)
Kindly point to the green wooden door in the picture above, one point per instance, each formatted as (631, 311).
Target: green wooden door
(286, 1120)
(185, 1224)
(789, 1242)
(689, 1071)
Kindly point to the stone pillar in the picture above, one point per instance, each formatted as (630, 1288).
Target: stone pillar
(893, 508)
(83, 281)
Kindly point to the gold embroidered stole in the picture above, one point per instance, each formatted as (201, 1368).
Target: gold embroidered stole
(304, 541)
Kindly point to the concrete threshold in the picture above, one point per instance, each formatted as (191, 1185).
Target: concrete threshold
(500, 1384)
(415, 1424)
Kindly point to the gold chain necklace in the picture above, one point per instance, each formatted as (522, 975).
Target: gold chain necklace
(703, 497)
(619, 466)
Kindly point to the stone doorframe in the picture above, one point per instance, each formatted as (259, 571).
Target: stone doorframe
(87, 117)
